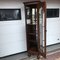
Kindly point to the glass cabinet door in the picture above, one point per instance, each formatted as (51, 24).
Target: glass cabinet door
(41, 28)
(28, 21)
(31, 15)
(42, 31)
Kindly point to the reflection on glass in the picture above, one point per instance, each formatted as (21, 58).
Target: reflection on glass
(41, 29)
(28, 12)
(33, 15)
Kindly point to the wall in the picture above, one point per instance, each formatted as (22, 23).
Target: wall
(53, 24)
(12, 33)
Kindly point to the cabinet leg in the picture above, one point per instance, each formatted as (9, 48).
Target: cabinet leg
(38, 56)
(29, 55)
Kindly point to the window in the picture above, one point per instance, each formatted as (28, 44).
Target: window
(10, 14)
(52, 13)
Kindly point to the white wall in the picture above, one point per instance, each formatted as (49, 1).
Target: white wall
(12, 33)
(53, 24)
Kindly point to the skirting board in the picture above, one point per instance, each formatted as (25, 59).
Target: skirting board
(52, 44)
(12, 55)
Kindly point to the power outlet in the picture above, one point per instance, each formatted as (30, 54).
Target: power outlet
(58, 39)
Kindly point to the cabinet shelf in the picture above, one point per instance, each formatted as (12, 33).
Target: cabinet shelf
(34, 41)
(31, 33)
(33, 50)
(32, 24)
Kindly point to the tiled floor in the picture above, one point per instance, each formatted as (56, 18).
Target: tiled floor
(24, 55)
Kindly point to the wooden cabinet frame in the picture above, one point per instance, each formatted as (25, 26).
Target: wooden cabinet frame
(36, 5)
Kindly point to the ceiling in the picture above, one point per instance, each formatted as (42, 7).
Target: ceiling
(22, 0)
(31, 0)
